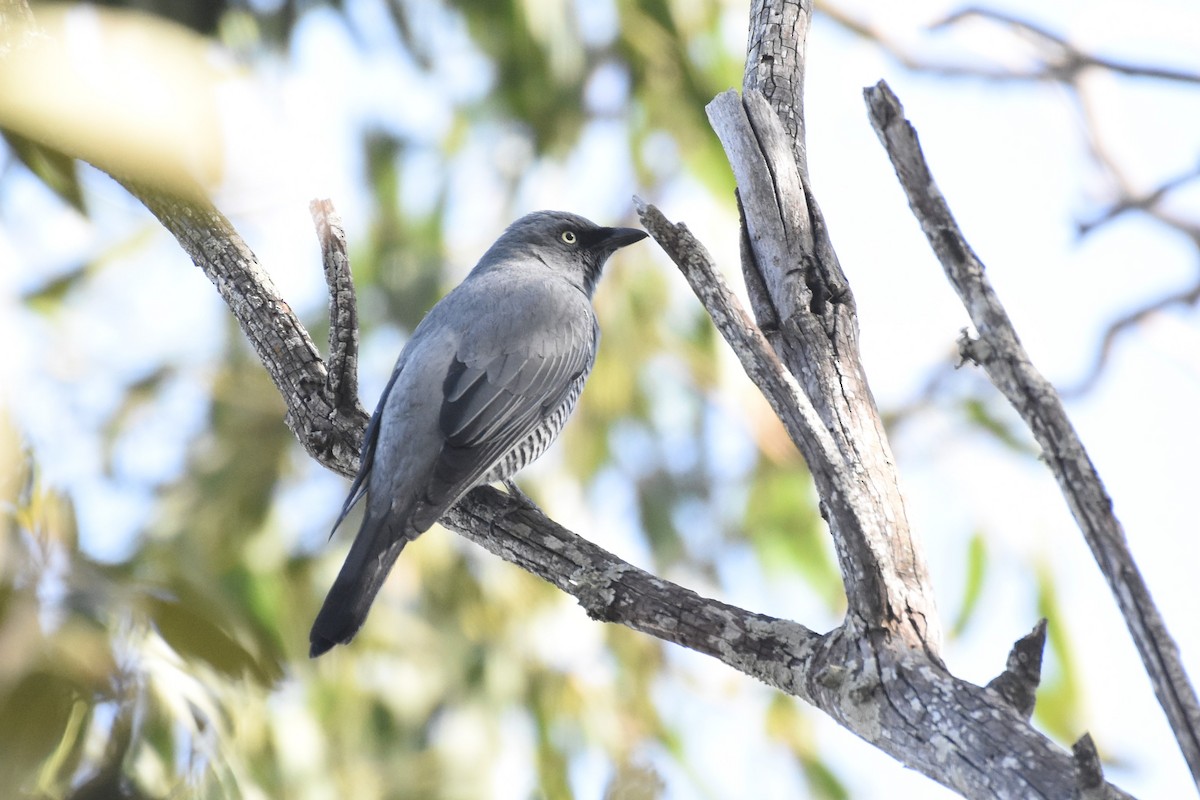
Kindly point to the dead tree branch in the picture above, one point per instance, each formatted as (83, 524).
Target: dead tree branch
(1062, 62)
(999, 351)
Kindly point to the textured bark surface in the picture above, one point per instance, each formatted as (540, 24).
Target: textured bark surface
(878, 683)
(808, 302)
(324, 414)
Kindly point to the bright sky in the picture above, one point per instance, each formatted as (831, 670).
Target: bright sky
(1009, 161)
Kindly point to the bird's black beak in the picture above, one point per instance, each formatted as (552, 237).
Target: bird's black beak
(616, 238)
(613, 239)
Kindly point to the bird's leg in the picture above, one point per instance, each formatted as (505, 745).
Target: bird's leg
(517, 501)
(517, 495)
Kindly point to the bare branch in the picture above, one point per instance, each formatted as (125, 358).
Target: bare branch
(342, 379)
(1132, 201)
(1064, 61)
(328, 430)
(1061, 61)
(805, 295)
(775, 651)
(1124, 323)
(1007, 364)
(775, 62)
(759, 361)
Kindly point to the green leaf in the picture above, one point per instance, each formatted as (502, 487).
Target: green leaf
(784, 525)
(190, 630)
(976, 569)
(59, 172)
(786, 722)
(822, 782)
(1013, 436)
(34, 716)
(47, 298)
(1059, 699)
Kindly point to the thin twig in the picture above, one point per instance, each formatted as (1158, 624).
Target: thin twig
(1189, 297)
(757, 356)
(328, 430)
(1068, 60)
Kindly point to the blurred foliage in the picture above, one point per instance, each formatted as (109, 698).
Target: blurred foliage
(786, 723)
(974, 572)
(180, 670)
(1060, 696)
(1001, 422)
(59, 172)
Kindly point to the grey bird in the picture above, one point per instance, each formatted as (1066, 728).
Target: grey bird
(482, 388)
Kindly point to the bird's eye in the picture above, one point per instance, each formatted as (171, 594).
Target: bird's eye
(569, 237)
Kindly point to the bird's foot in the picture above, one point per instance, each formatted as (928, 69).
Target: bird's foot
(517, 501)
(519, 498)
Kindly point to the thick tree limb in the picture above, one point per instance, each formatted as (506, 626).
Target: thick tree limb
(806, 303)
(975, 740)
(1000, 353)
(807, 298)
(775, 66)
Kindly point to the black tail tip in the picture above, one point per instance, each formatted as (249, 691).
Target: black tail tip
(319, 645)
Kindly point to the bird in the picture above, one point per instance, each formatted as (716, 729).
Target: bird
(482, 387)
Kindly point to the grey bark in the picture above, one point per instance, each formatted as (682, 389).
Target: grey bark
(1000, 352)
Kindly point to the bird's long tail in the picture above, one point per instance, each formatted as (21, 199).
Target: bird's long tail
(367, 565)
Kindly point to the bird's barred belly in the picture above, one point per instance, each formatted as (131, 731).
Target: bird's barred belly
(528, 449)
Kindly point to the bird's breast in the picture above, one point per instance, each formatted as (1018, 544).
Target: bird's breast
(524, 452)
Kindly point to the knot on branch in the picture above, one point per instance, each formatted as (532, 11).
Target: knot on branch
(1089, 774)
(973, 350)
(596, 593)
(1018, 683)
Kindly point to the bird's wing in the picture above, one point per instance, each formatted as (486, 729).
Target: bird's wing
(366, 460)
(494, 400)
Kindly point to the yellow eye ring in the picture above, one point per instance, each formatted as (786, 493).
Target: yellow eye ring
(569, 237)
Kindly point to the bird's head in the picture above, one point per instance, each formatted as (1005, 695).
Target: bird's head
(564, 242)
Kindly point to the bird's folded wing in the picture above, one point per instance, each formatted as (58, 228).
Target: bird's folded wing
(492, 404)
(367, 457)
